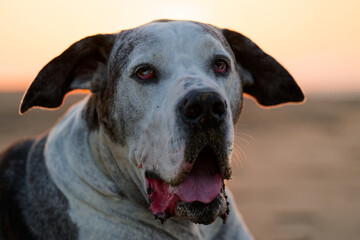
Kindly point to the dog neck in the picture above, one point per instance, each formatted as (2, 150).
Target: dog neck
(104, 189)
(112, 160)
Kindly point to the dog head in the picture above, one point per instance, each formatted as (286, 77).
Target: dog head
(171, 91)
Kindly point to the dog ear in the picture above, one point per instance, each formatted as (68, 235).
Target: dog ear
(81, 66)
(270, 83)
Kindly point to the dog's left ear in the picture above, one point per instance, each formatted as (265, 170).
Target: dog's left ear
(271, 83)
(81, 66)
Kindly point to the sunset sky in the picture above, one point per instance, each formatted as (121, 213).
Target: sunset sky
(317, 41)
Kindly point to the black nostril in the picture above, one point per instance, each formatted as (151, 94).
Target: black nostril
(219, 108)
(203, 106)
(193, 110)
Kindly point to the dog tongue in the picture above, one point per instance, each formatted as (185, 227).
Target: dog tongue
(203, 183)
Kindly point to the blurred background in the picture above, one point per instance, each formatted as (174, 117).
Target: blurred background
(296, 167)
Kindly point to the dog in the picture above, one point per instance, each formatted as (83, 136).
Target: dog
(146, 154)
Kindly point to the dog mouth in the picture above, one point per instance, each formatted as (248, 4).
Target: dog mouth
(200, 196)
(204, 181)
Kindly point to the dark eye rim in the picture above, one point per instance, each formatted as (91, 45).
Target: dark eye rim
(152, 73)
(144, 66)
(223, 60)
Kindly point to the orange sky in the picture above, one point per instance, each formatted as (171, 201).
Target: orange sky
(317, 41)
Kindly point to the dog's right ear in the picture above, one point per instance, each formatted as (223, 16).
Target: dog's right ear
(270, 83)
(81, 66)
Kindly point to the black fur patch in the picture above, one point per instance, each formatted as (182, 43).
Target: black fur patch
(90, 112)
(34, 208)
(116, 65)
(12, 172)
(54, 80)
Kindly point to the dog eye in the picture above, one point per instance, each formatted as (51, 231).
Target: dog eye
(220, 66)
(145, 73)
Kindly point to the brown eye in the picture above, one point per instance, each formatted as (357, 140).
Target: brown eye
(145, 73)
(220, 66)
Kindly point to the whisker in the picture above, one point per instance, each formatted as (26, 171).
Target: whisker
(243, 153)
(235, 158)
(240, 151)
(242, 139)
(238, 158)
(247, 135)
(239, 154)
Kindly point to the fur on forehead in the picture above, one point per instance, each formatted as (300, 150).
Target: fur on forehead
(161, 41)
(171, 31)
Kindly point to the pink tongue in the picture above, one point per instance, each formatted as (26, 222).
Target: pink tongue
(203, 184)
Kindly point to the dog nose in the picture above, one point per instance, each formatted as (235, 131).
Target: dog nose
(205, 107)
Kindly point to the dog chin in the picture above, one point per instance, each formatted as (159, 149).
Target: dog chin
(204, 213)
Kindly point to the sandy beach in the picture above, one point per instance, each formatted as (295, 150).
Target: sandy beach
(296, 169)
